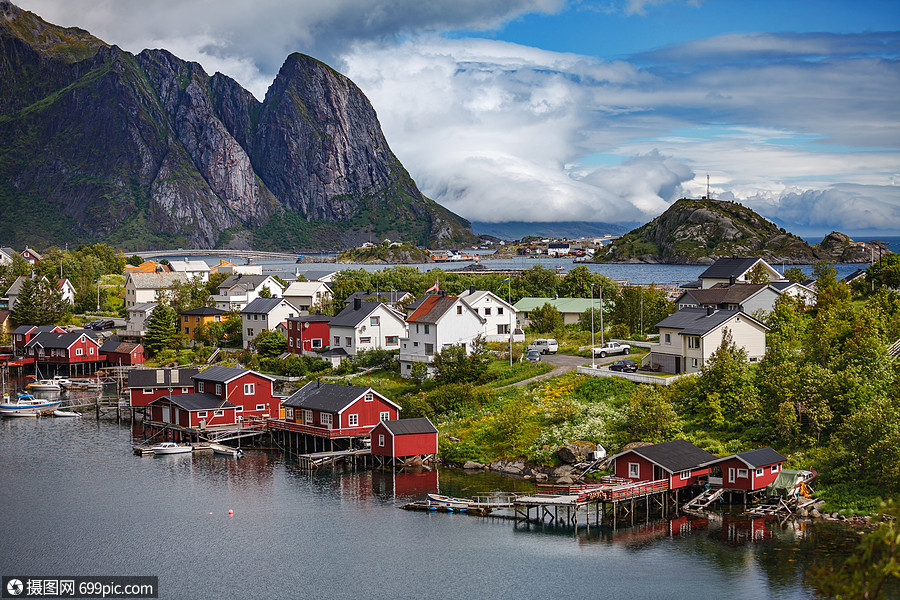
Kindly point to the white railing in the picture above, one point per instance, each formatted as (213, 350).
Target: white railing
(635, 377)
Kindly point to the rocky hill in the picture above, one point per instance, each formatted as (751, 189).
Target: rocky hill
(698, 231)
(147, 150)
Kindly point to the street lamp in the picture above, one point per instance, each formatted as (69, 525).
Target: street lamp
(98, 295)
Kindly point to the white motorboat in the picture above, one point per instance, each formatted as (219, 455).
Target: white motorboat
(65, 413)
(26, 405)
(171, 448)
(448, 502)
(224, 450)
(55, 384)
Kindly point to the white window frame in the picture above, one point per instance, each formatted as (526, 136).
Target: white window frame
(315, 343)
(218, 389)
(773, 469)
(381, 440)
(759, 472)
(308, 417)
(148, 391)
(385, 416)
(200, 387)
(369, 397)
(260, 407)
(743, 473)
(79, 351)
(288, 412)
(634, 470)
(326, 419)
(249, 389)
(353, 420)
(219, 412)
(685, 475)
(202, 414)
(374, 321)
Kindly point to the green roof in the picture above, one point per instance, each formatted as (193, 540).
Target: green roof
(563, 305)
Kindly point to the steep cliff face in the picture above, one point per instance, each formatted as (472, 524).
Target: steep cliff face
(700, 231)
(148, 150)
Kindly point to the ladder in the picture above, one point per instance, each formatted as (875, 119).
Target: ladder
(704, 499)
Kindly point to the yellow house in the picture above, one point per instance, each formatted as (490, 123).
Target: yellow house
(191, 319)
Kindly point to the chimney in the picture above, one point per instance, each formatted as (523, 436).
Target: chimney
(357, 304)
(710, 310)
(732, 280)
(471, 289)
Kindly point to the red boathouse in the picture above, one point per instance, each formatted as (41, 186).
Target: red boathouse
(749, 471)
(679, 462)
(146, 385)
(405, 437)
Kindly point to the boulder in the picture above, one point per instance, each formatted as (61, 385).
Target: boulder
(575, 452)
(541, 477)
(472, 465)
(565, 479)
(562, 471)
(814, 513)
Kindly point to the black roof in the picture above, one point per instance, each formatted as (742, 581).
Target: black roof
(310, 319)
(59, 341)
(205, 310)
(148, 378)
(675, 455)
(327, 397)
(197, 401)
(410, 426)
(761, 457)
(224, 374)
(263, 306)
(724, 268)
(352, 316)
(700, 321)
(391, 296)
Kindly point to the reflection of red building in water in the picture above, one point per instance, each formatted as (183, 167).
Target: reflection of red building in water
(741, 530)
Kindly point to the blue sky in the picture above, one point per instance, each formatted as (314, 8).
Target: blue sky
(567, 110)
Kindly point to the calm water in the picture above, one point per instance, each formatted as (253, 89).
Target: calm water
(75, 501)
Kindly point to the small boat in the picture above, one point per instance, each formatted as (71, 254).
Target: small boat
(448, 502)
(226, 450)
(49, 385)
(171, 448)
(26, 405)
(65, 413)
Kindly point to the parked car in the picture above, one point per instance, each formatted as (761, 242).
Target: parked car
(626, 366)
(105, 324)
(611, 348)
(544, 346)
(533, 356)
(93, 324)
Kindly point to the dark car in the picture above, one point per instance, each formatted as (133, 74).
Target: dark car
(93, 324)
(626, 366)
(105, 324)
(533, 356)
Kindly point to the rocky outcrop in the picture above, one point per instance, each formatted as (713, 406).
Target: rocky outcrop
(148, 150)
(839, 248)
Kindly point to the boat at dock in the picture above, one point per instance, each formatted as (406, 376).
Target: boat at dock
(447, 502)
(164, 448)
(56, 384)
(26, 405)
(65, 413)
(223, 450)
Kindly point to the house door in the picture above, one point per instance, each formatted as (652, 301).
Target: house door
(658, 473)
(165, 414)
(677, 365)
(730, 474)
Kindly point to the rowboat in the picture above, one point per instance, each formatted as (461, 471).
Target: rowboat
(25, 405)
(171, 448)
(65, 413)
(448, 502)
(224, 450)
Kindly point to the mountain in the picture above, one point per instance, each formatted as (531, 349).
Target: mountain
(700, 231)
(146, 151)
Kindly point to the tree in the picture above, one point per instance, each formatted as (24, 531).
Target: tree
(885, 272)
(545, 319)
(758, 274)
(419, 373)
(650, 415)
(726, 384)
(636, 305)
(829, 291)
(269, 343)
(454, 365)
(188, 295)
(162, 332)
(795, 274)
(265, 292)
(38, 303)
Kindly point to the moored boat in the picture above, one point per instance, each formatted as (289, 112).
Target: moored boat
(448, 502)
(65, 413)
(171, 448)
(26, 405)
(55, 384)
(224, 450)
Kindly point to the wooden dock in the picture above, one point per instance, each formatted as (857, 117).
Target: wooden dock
(318, 460)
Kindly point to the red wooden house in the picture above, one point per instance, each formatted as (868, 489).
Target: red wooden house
(146, 385)
(329, 410)
(123, 353)
(251, 393)
(64, 348)
(748, 471)
(23, 334)
(405, 437)
(678, 461)
(307, 333)
(193, 410)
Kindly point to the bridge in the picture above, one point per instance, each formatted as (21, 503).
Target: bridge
(248, 255)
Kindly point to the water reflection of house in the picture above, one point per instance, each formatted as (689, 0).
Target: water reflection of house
(741, 530)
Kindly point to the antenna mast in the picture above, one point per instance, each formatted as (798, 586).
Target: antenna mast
(707, 187)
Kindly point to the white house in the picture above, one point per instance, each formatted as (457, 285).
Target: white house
(192, 268)
(308, 295)
(63, 286)
(498, 314)
(799, 291)
(437, 323)
(6, 255)
(735, 270)
(135, 322)
(366, 326)
(688, 337)
(264, 314)
(239, 290)
(144, 287)
(748, 297)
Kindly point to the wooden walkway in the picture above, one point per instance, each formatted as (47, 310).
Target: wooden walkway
(317, 460)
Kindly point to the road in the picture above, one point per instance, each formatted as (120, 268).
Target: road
(563, 363)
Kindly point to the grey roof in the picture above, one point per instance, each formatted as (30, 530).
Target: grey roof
(16, 288)
(310, 319)
(193, 402)
(59, 341)
(725, 294)
(410, 426)
(315, 275)
(390, 296)
(205, 310)
(263, 306)
(699, 321)
(23, 329)
(221, 374)
(855, 274)
(143, 306)
(251, 282)
(352, 316)
(147, 378)
(674, 455)
(325, 397)
(156, 281)
(760, 457)
(724, 268)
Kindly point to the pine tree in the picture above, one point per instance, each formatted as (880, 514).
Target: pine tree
(161, 330)
(38, 303)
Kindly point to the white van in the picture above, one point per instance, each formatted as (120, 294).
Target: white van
(544, 346)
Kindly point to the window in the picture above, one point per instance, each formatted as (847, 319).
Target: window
(249, 332)
(256, 317)
(289, 413)
(337, 340)
(187, 331)
(668, 338)
(201, 414)
(499, 310)
(694, 362)
(260, 407)
(374, 321)
(148, 391)
(487, 312)
(427, 330)
(325, 419)
(307, 417)
(353, 420)
(381, 440)
(385, 416)
(249, 389)
(79, 351)
(759, 472)
(634, 470)
(743, 473)
(348, 341)
(200, 387)
(693, 341)
(218, 389)
(219, 413)
(291, 343)
(316, 343)
(429, 349)
(185, 390)
(773, 469)
(91, 350)
(365, 340)
(369, 397)
(458, 311)
(392, 340)
(238, 408)
(415, 344)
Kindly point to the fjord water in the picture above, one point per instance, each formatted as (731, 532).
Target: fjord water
(74, 500)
